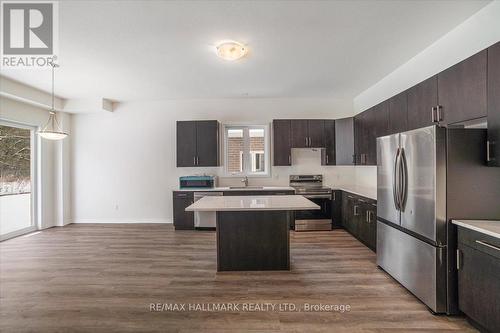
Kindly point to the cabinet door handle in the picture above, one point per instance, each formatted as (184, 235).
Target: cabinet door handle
(194, 160)
(488, 152)
(197, 160)
(306, 140)
(327, 159)
(488, 245)
(289, 159)
(438, 113)
(356, 210)
(334, 196)
(433, 114)
(458, 260)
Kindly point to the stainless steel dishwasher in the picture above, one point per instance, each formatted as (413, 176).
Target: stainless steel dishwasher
(205, 220)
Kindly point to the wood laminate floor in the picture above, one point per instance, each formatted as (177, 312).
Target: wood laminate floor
(104, 278)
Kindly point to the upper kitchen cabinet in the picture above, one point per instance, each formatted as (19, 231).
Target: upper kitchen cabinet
(198, 143)
(328, 155)
(300, 133)
(398, 113)
(344, 141)
(316, 128)
(462, 90)
(186, 143)
(378, 126)
(361, 126)
(368, 126)
(493, 149)
(308, 133)
(422, 101)
(282, 144)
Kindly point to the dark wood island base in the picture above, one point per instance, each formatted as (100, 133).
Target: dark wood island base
(253, 240)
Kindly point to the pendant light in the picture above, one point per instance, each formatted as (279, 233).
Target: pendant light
(52, 130)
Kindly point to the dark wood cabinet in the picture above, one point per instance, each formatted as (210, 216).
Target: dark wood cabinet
(493, 144)
(378, 126)
(336, 209)
(282, 144)
(344, 141)
(350, 213)
(316, 133)
(367, 221)
(299, 133)
(186, 143)
(369, 125)
(197, 143)
(422, 99)
(359, 218)
(328, 154)
(361, 137)
(207, 143)
(398, 113)
(308, 133)
(462, 90)
(183, 220)
(478, 278)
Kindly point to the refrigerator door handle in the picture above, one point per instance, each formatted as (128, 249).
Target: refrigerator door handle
(404, 180)
(395, 180)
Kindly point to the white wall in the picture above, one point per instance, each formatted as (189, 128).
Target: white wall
(473, 35)
(123, 163)
(53, 205)
(15, 213)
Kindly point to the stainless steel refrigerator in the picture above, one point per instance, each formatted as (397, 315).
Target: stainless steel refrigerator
(424, 178)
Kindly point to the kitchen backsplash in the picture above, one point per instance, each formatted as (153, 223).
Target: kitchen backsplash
(304, 161)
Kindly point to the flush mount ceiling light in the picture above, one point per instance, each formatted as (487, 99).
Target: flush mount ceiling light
(231, 50)
(52, 130)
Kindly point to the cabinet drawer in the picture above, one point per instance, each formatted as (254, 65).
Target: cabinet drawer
(183, 195)
(479, 241)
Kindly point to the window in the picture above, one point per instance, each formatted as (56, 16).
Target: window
(17, 147)
(246, 150)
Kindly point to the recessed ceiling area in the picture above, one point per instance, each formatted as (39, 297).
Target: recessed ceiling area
(298, 49)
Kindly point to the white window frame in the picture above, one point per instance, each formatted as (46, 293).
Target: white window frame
(247, 158)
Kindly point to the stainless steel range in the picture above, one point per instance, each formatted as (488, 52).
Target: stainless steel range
(311, 187)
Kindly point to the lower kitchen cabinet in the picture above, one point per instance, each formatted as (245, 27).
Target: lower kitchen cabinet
(367, 221)
(349, 219)
(337, 209)
(183, 220)
(479, 278)
(359, 216)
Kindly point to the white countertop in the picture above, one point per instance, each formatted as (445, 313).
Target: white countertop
(491, 228)
(363, 191)
(227, 188)
(252, 203)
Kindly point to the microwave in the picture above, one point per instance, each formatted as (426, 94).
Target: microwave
(197, 182)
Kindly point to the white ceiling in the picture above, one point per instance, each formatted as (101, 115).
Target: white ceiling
(137, 50)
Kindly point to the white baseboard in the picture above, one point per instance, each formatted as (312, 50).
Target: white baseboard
(130, 220)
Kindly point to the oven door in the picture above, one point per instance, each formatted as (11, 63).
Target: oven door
(324, 201)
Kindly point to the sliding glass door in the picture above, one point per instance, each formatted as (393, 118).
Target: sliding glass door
(17, 166)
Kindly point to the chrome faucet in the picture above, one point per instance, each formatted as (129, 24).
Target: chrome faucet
(245, 180)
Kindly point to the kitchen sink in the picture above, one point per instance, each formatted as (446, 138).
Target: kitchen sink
(246, 187)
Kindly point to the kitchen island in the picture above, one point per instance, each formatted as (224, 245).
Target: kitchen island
(253, 231)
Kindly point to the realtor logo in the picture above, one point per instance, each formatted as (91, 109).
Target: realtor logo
(28, 33)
